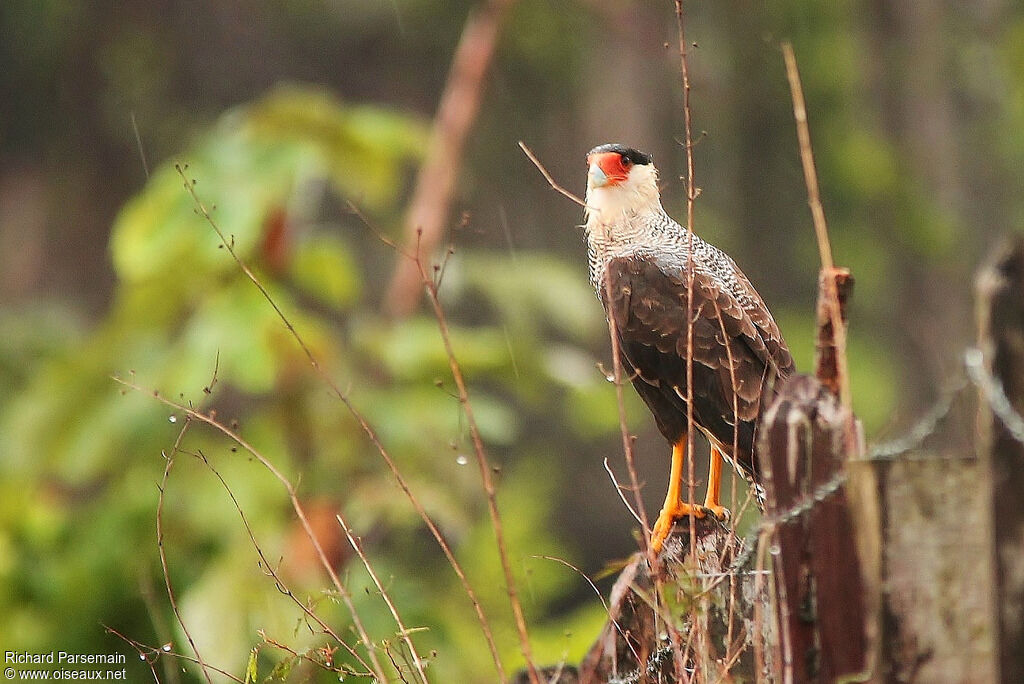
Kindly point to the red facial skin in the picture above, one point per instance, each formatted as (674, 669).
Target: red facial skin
(615, 167)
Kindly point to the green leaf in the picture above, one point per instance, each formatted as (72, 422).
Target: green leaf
(282, 670)
(324, 268)
(251, 672)
(364, 147)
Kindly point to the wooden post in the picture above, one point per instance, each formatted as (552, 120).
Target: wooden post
(819, 594)
(1001, 326)
(820, 598)
(826, 366)
(634, 645)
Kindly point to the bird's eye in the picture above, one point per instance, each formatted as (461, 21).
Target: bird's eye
(626, 162)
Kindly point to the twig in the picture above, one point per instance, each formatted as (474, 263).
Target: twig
(691, 197)
(600, 598)
(296, 506)
(735, 450)
(807, 157)
(146, 590)
(627, 439)
(270, 571)
(618, 490)
(481, 618)
(484, 466)
(820, 229)
(547, 176)
(339, 670)
(151, 654)
(169, 459)
(138, 142)
(435, 184)
(358, 416)
(402, 630)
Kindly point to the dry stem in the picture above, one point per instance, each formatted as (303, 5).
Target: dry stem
(163, 553)
(484, 466)
(403, 631)
(296, 506)
(547, 176)
(627, 439)
(820, 226)
(150, 654)
(691, 196)
(359, 418)
(269, 570)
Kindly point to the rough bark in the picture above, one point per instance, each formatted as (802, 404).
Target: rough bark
(1001, 322)
(710, 602)
(821, 607)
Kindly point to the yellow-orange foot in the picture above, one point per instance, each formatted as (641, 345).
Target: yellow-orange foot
(720, 512)
(668, 517)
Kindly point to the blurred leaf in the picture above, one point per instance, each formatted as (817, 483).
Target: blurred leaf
(251, 671)
(324, 268)
(413, 349)
(535, 291)
(363, 146)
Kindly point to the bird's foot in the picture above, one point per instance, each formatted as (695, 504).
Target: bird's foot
(720, 512)
(668, 517)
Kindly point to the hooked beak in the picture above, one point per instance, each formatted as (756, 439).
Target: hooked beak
(596, 177)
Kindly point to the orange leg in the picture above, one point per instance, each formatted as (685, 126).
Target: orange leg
(711, 501)
(674, 507)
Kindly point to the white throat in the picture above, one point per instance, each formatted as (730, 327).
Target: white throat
(611, 206)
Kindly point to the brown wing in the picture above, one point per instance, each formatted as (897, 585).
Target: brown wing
(649, 308)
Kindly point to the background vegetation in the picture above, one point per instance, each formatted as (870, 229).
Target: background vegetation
(287, 112)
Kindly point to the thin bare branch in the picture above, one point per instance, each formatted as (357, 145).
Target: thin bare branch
(627, 438)
(600, 597)
(358, 416)
(163, 632)
(820, 227)
(150, 654)
(625, 502)
(691, 197)
(403, 631)
(456, 566)
(807, 157)
(547, 176)
(484, 467)
(169, 463)
(271, 571)
(296, 506)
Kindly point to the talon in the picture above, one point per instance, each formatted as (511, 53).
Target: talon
(668, 517)
(720, 512)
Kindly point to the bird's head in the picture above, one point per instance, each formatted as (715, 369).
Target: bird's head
(620, 180)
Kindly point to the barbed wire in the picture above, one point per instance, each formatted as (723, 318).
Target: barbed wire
(995, 394)
(922, 430)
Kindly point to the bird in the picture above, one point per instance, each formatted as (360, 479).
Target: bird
(638, 260)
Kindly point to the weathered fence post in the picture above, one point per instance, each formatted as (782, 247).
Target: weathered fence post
(805, 437)
(1000, 290)
(635, 644)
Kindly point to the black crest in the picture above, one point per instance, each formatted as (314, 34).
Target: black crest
(634, 156)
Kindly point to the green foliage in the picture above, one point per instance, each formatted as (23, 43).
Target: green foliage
(183, 310)
(80, 456)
